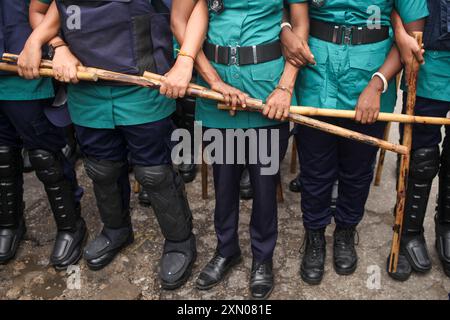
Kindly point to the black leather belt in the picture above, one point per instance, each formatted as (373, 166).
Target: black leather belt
(354, 35)
(242, 55)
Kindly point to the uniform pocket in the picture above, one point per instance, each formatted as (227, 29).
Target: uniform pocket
(313, 77)
(362, 67)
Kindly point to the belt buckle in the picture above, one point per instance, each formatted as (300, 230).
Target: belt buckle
(347, 34)
(234, 55)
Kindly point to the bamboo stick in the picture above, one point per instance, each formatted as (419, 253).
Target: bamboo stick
(350, 114)
(252, 104)
(48, 73)
(380, 165)
(405, 161)
(294, 155)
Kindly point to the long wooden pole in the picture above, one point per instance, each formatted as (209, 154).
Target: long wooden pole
(252, 104)
(405, 161)
(380, 165)
(203, 92)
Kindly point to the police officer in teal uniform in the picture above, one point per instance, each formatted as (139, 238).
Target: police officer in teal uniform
(351, 42)
(433, 99)
(114, 120)
(23, 123)
(245, 58)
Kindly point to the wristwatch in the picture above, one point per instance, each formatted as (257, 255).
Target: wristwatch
(52, 47)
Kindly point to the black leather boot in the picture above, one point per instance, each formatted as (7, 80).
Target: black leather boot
(144, 198)
(345, 259)
(216, 270)
(117, 231)
(12, 225)
(424, 167)
(295, 185)
(404, 269)
(60, 191)
(176, 263)
(169, 202)
(101, 251)
(313, 262)
(442, 218)
(246, 190)
(261, 280)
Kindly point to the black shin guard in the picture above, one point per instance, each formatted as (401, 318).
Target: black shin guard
(12, 226)
(11, 187)
(60, 191)
(105, 176)
(424, 167)
(168, 197)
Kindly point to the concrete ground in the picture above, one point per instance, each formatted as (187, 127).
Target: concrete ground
(133, 274)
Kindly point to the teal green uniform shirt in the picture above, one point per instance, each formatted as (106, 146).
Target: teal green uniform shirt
(105, 107)
(244, 23)
(343, 71)
(434, 76)
(16, 88)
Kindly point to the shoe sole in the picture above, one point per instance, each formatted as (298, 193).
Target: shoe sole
(97, 267)
(266, 296)
(186, 275)
(345, 272)
(313, 282)
(227, 273)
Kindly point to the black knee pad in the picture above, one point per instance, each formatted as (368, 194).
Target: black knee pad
(423, 169)
(10, 162)
(48, 167)
(11, 186)
(108, 193)
(103, 172)
(168, 197)
(425, 163)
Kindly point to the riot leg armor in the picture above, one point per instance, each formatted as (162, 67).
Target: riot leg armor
(169, 202)
(413, 249)
(12, 226)
(442, 218)
(71, 232)
(117, 231)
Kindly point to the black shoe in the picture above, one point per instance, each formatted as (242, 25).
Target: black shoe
(261, 281)
(144, 198)
(246, 190)
(404, 269)
(103, 249)
(10, 240)
(68, 247)
(313, 262)
(443, 245)
(295, 186)
(176, 263)
(416, 251)
(188, 172)
(345, 259)
(216, 269)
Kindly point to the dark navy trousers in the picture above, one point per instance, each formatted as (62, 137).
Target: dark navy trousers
(425, 135)
(263, 222)
(326, 158)
(24, 124)
(147, 144)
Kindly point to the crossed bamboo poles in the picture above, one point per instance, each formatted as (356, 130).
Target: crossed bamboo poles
(298, 114)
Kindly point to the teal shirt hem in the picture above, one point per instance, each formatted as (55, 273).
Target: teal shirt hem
(18, 89)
